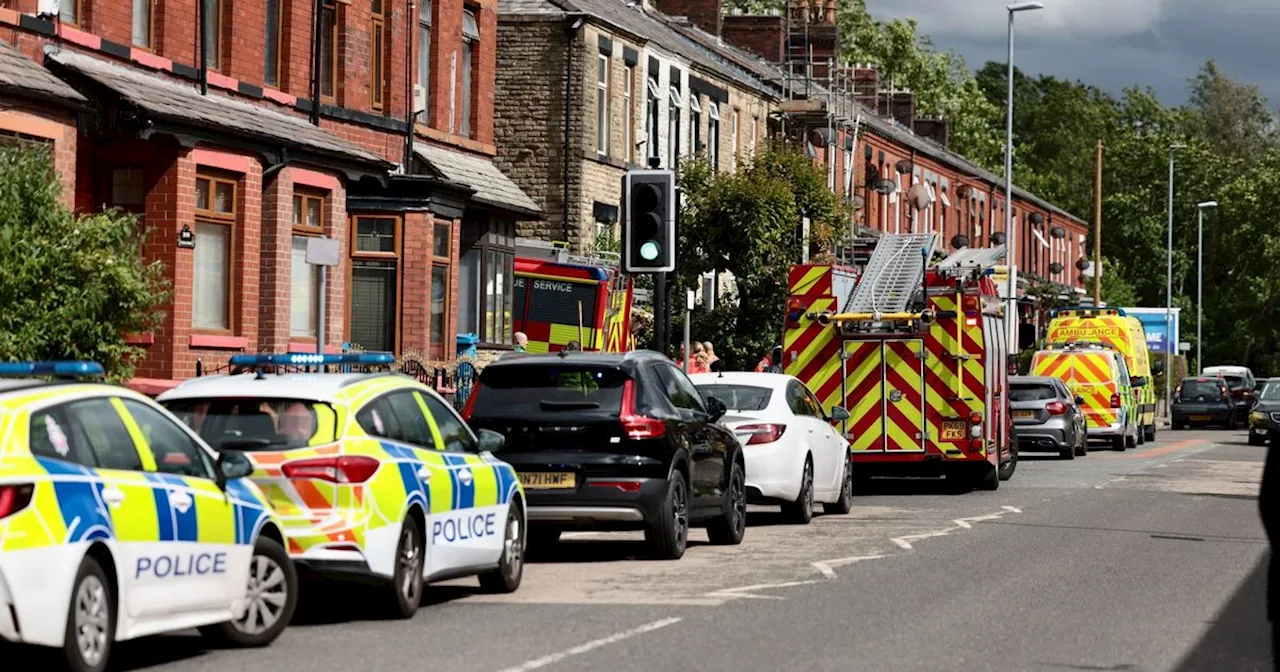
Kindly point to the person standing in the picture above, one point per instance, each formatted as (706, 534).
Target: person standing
(713, 361)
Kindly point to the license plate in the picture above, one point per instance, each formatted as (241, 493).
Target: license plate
(1198, 418)
(953, 430)
(548, 481)
(1024, 414)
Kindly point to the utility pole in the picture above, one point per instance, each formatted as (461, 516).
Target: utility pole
(1097, 232)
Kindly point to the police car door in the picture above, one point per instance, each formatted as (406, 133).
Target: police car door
(472, 534)
(197, 564)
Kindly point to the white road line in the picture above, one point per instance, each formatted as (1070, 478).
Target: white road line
(580, 649)
(1011, 509)
(827, 567)
(764, 586)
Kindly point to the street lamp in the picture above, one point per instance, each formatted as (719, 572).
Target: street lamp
(1008, 177)
(1168, 296)
(1200, 208)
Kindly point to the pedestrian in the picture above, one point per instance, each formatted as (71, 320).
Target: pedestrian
(764, 363)
(776, 361)
(1269, 506)
(573, 346)
(698, 363)
(522, 342)
(713, 361)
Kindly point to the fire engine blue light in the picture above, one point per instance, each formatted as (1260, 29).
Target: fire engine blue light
(312, 359)
(51, 369)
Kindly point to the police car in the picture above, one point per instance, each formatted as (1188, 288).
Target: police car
(373, 474)
(117, 522)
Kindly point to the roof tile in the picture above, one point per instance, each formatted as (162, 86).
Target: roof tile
(492, 187)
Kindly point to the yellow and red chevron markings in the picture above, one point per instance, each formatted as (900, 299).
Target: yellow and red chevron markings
(1088, 376)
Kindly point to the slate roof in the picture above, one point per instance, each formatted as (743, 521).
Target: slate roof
(24, 77)
(168, 99)
(492, 187)
(526, 7)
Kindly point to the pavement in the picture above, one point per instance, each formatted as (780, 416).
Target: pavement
(1148, 559)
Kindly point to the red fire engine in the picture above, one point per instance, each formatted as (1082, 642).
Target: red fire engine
(559, 298)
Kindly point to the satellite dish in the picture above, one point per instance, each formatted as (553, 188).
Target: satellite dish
(1082, 264)
(998, 238)
(858, 202)
(1057, 232)
(1037, 219)
(1055, 268)
(960, 241)
(918, 196)
(964, 190)
(886, 187)
(903, 167)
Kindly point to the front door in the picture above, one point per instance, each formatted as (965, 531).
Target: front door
(903, 373)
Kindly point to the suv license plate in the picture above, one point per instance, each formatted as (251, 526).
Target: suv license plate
(953, 430)
(548, 481)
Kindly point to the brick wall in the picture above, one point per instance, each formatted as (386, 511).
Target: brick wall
(54, 125)
(761, 35)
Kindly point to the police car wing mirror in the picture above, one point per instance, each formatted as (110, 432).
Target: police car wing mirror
(233, 464)
(490, 441)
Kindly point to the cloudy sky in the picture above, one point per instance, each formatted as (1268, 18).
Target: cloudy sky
(1112, 43)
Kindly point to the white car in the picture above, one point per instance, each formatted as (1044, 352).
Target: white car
(793, 453)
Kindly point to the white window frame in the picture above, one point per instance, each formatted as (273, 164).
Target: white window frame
(713, 133)
(755, 133)
(470, 36)
(735, 139)
(675, 104)
(653, 115)
(602, 104)
(424, 54)
(695, 123)
(628, 114)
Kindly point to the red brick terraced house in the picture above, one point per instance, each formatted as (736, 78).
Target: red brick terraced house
(208, 120)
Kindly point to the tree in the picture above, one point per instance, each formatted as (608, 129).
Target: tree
(73, 285)
(1232, 118)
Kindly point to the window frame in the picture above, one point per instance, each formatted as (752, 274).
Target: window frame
(422, 75)
(304, 197)
(466, 73)
(628, 113)
(379, 54)
(206, 461)
(713, 133)
(445, 262)
(329, 6)
(151, 25)
(755, 132)
(695, 122)
(602, 104)
(675, 105)
(230, 220)
(271, 72)
(76, 16)
(736, 139)
(212, 51)
(428, 401)
(354, 254)
(653, 115)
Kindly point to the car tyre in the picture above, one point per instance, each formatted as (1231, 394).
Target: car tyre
(1257, 440)
(1231, 423)
(1009, 466)
(844, 504)
(405, 589)
(800, 512)
(1068, 453)
(730, 527)
(988, 478)
(668, 536)
(506, 578)
(1082, 446)
(91, 619)
(271, 597)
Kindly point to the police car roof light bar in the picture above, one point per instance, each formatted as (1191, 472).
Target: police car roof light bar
(67, 369)
(311, 359)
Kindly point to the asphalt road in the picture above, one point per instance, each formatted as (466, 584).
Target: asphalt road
(1151, 559)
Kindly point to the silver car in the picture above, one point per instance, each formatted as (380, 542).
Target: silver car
(1046, 417)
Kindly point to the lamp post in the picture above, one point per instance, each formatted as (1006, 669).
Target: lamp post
(1169, 342)
(1200, 208)
(1012, 240)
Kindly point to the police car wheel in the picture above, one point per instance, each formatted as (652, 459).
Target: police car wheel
(845, 503)
(91, 620)
(800, 512)
(271, 595)
(506, 578)
(729, 527)
(406, 582)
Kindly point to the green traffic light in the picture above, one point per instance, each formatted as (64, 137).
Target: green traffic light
(649, 251)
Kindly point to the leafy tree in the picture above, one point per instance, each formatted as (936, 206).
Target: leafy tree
(73, 285)
(1233, 118)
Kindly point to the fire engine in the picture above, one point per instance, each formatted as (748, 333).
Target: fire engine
(559, 297)
(916, 353)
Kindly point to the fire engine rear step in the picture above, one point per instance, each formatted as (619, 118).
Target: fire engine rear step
(893, 274)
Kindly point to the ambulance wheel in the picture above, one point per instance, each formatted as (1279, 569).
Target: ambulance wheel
(729, 528)
(405, 590)
(844, 504)
(506, 578)
(1007, 468)
(669, 534)
(270, 599)
(91, 619)
(800, 512)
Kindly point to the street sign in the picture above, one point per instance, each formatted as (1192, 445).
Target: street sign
(1184, 346)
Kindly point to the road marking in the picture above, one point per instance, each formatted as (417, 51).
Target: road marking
(763, 586)
(827, 567)
(592, 645)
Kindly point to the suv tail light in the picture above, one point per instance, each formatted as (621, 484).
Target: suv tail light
(471, 402)
(1115, 401)
(637, 426)
(762, 433)
(343, 469)
(14, 498)
(1056, 408)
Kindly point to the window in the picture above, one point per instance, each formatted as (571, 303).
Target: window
(377, 419)
(713, 134)
(457, 438)
(755, 133)
(655, 93)
(438, 343)
(485, 282)
(304, 292)
(69, 12)
(470, 34)
(173, 448)
(424, 49)
(734, 139)
(675, 102)
(215, 224)
(143, 23)
(679, 389)
(328, 49)
(128, 189)
(530, 391)
(695, 124)
(257, 424)
(602, 104)
(379, 54)
(413, 424)
(271, 52)
(212, 13)
(375, 274)
(97, 422)
(51, 437)
(628, 114)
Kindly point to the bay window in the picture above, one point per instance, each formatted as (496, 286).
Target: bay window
(438, 334)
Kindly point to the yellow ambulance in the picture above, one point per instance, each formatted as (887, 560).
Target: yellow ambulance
(1112, 328)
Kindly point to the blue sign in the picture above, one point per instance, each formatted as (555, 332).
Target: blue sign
(1153, 322)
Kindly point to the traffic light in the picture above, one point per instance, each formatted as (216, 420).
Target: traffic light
(649, 221)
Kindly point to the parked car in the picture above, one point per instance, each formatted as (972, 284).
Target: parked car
(1203, 400)
(1264, 419)
(614, 442)
(1241, 383)
(794, 456)
(1258, 385)
(1048, 417)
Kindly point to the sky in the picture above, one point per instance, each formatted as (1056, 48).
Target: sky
(1111, 44)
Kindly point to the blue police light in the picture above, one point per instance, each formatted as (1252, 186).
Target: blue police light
(312, 359)
(51, 369)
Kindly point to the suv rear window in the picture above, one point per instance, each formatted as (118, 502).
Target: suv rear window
(1031, 392)
(257, 424)
(739, 397)
(521, 391)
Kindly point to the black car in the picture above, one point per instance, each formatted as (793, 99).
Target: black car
(614, 442)
(1203, 401)
(1048, 418)
(1264, 419)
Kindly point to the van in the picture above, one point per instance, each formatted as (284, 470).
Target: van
(1112, 328)
(1099, 378)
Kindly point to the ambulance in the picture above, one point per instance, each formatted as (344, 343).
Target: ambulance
(916, 352)
(1112, 328)
(1099, 378)
(560, 298)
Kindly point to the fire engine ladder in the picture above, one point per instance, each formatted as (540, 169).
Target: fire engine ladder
(968, 259)
(893, 274)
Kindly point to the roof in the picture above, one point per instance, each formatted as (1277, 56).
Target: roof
(492, 187)
(168, 99)
(22, 76)
(311, 386)
(1226, 369)
(527, 7)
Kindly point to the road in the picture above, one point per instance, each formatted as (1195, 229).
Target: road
(1151, 559)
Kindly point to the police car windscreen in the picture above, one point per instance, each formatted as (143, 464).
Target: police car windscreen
(257, 424)
(1031, 392)
(530, 391)
(1200, 390)
(739, 397)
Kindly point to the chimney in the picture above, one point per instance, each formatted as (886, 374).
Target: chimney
(937, 130)
(898, 105)
(704, 14)
(814, 35)
(866, 83)
(763, 35)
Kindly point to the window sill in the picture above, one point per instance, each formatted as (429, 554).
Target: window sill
(217, 342)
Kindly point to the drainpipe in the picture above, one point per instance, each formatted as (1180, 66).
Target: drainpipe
(204, 48)
(572, 30)
(411, 22)
(317, 9)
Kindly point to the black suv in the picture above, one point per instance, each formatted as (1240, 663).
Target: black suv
(614, 442)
